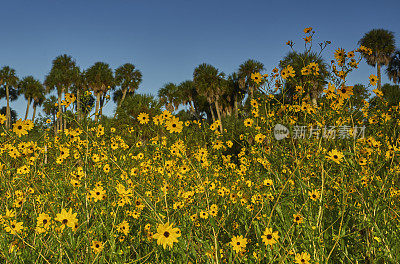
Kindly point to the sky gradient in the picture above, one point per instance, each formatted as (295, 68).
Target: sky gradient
(166, 40)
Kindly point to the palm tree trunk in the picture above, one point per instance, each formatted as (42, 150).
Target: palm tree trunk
(236, 106)
(8, 112)
(169, 107)
(27, 108)
(379, 75)
(309, 97)
(59, 120)
(101, 105)
(212, 114)
(34, 111)
(45, 154)
(314, 102)
(78, 104)
(191, 108)
(195, 111)
(314, 96)
(219, 115)
(120, 102)
(124, 91)
(97, 106)
(229, 110)
(55, 125)
(65, 121)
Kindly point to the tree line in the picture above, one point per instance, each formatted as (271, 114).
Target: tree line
(209, 94)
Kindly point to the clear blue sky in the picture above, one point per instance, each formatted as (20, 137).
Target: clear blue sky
(166, 40)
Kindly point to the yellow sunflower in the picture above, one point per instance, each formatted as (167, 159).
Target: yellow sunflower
(166, 235)
(97, 246)
(373, 79)
(345, 92)
(307, 39)
(67, 218)
(97, 194)
(203, 214)
(302, 258)
(269, 237)
(143, 118)
(297, 218)
(256, 77)
(123, 227)
(174, 125)
(340, 55)
(248, 122)
(284, 74)
(238, 243)
(314, 195)
(214, 210)
(335, 156)
(43, 220)
(19, 128)
(14, 227)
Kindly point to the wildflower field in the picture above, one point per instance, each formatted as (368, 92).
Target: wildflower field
(163, 189)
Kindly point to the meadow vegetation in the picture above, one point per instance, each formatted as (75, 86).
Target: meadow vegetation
(210, 184)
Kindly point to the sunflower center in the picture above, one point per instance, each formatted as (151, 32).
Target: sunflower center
(166, 234)
(19, 127)
(173, 125)
(97, 245)
(335, 156)
(238, 243)
(65, 221)
(44, 221)
(269, 236)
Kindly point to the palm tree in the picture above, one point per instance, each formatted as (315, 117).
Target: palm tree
(100, 79)
(63, 74)
(9, 80)
(38, 99)
(129, 78)
(168, 96)
(87, 105)
(79, 86)
(382, 44)
(202, 107)
(186, 92)
(209, 82)
(234, 90)
(244, 74)
(393, 69)
(312, 84)
(49, 108)
(30, 88)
